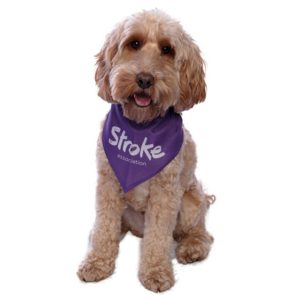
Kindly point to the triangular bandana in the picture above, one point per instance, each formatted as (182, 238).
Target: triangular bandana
(136, 152)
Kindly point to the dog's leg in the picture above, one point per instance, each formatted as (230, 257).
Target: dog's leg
(156, 272)
(105, 236)
(194, 241)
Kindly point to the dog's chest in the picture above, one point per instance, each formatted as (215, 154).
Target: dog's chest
(138, 197)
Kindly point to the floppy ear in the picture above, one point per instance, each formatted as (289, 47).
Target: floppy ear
(192, 84)
(104, 64)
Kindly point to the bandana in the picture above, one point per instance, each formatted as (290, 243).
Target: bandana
(137, 152)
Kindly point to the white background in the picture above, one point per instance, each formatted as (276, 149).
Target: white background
(247, 134)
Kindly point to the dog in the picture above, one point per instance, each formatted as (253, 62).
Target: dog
(150, 70)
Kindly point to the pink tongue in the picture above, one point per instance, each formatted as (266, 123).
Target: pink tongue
(142, 100)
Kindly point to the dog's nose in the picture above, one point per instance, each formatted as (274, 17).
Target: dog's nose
(144, 80)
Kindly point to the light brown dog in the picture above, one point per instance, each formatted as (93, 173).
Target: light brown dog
(150, 60)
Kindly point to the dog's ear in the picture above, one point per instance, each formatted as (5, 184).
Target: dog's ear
(104, 64)
(192, 83)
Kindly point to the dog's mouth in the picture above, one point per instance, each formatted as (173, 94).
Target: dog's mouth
(141, 99)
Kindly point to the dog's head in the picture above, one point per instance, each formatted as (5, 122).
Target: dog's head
(148, 64)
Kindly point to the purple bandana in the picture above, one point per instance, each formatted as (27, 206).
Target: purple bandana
(137, 152)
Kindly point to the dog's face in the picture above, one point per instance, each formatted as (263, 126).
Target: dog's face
(149, 64)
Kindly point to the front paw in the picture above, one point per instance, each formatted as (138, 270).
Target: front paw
(157, 278)
(94, 268)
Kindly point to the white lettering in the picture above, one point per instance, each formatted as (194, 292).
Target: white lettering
(145, 149)
(126, 144)
(156, 152)
(122, 138)
(114, 131)
(123, 144)
(134, 150)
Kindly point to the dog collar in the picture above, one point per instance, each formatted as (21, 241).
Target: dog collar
(137, 152)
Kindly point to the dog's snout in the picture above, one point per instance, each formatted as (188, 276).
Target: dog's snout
(144, 80)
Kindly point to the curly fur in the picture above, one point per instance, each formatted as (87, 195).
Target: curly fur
(172, 204)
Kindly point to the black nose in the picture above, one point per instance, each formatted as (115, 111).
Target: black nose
(144, 80)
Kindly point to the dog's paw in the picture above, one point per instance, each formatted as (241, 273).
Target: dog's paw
(94, 269)
(192, 249)
(157, 279)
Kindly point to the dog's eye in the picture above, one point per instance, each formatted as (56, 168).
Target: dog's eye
(135, 45)
(166, 50)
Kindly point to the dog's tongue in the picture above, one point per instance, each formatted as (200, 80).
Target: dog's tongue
(142, 100)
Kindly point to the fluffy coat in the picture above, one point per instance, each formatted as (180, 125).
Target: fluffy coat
(172, 204)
